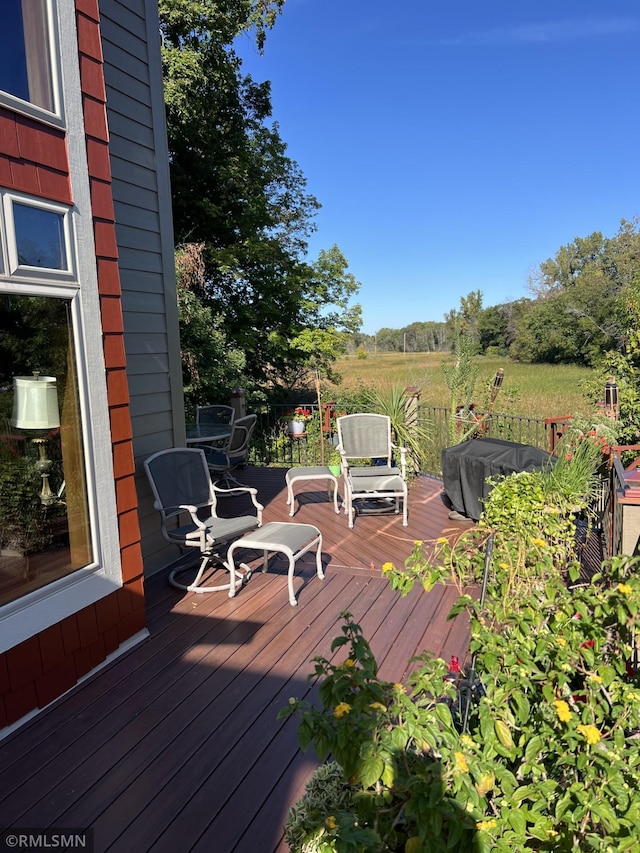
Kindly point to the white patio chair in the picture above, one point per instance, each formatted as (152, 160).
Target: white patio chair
(183, 492)
(379, 486)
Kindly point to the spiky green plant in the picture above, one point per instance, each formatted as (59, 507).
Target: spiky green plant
(407, 428)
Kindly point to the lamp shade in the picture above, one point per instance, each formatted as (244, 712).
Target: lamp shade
(35, 402)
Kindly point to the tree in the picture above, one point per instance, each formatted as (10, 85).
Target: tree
(211, 365)
(236, 191)
(329, 318)
(583, 297)
(493, 324)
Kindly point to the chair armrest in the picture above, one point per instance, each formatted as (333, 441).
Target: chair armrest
(193, 512)
(403, 460)
(243, 490)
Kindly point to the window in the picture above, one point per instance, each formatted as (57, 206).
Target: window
(44, 516)
(50, 323)
(48, 530)
(38, 237)
(27, 73)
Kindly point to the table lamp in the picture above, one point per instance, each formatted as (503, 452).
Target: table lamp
(35, 407)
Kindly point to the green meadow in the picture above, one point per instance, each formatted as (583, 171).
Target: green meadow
(528, 390)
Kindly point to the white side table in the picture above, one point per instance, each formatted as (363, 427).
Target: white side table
(292, 540)
(318, 472)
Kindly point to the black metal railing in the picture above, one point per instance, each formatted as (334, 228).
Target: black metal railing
(272, 445)
(437, 420)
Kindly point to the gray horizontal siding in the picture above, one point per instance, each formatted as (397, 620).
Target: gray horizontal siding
(139, 167)
(149, 323)
(143, 301)
(145, 364)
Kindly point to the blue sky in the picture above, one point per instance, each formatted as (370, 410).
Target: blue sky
(456, 146)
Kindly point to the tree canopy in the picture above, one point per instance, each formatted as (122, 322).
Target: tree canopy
(239, 196)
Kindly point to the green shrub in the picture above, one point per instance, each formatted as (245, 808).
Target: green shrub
(547, 755)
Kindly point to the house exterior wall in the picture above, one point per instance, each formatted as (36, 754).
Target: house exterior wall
(142, 201)
(126, 171)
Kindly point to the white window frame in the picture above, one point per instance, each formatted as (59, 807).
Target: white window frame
(56, 116)
(17, 270)
(36, 611)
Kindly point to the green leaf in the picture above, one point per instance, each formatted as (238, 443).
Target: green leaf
(517, 821)
(370, 771)
(523, 706)
(533, 749)
(588, 655)
(444, 714)
(399, 737)
(503, 733)
(606, 815)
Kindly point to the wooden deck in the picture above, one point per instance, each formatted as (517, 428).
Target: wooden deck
(175, 746)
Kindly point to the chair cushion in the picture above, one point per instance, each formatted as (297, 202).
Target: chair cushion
(375, 471)
(223, 529)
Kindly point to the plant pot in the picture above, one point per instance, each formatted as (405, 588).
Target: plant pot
(295, 427)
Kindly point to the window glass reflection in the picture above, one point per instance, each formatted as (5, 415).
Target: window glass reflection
(44, 518)
(39, 237)
(25, 64)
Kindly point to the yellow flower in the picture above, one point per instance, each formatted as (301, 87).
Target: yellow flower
(595, 678)
(418, 543)
(624, 588)
(341, 709)
(484, 825)
(441, 540)
(486, 784)
(331, 822)
(461, 762)
(377, 706)
(562, 710)
(386, 568)
(504, 566)
(591, 734)
(349, 663)
(560, 641)
(539, 542)
(399, 688)
(465, 740)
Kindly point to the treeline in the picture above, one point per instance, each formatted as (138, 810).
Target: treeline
(585, 303)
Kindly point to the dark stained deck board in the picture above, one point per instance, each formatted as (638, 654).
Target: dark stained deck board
(192, 759)
(176, 745)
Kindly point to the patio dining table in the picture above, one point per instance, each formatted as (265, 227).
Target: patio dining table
(202, 433)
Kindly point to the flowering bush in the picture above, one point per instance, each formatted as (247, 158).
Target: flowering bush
(546, 755)
(549, 760)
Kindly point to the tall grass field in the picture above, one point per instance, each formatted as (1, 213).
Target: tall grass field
(528, 390)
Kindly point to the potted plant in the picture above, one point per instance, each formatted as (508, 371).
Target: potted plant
(334, 462)
(297, 420)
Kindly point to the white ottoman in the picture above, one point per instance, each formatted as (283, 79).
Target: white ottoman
(318, 472)
(283, 537)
